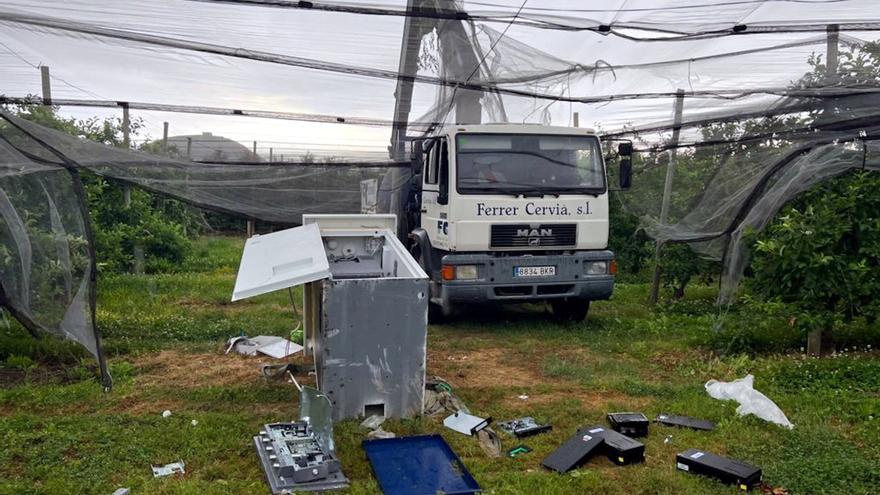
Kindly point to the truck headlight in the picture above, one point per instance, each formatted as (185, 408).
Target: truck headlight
(596, 267)
(466, 272)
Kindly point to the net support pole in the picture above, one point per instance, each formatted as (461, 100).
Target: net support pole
(164, 137)
(47, 84)
(576, 120)
(816, 337)
(667, 191)
(251, 227)
(126, 143)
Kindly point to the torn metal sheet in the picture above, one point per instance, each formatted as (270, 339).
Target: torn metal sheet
(169, 469)
(465, 423)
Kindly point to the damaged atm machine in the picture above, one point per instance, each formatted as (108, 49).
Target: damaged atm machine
(365, 315)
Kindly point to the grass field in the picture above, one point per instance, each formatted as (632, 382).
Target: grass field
(62, 435)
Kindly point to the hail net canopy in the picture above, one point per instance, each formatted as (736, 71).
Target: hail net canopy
(279, 108)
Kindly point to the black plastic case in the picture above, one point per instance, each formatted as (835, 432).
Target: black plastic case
(685, 421)
(695, 461)
(576, 450)
(632, 424)
(622, 449)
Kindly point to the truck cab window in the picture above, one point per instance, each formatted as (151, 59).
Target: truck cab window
(443, 170)
(529, 163)
(431, 163)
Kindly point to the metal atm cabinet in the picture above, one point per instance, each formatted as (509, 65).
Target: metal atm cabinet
(366, 308)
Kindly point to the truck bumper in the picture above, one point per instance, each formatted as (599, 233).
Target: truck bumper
(496, 280)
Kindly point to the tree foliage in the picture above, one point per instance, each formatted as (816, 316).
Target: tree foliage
(161, 227)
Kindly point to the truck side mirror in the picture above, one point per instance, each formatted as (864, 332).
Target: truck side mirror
(625, 149)
(626, 171)
(417, 157)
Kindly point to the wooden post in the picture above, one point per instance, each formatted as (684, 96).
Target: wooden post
(270, 155)
(189, 148)
(164, 137)
(667, 192)
(47, 84)
(250, 228)
(576, 119)
(256, 158)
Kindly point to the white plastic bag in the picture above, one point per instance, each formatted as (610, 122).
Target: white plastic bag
(750, 400)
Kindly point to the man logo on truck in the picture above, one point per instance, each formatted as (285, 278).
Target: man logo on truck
(534, 232)
(534, 235)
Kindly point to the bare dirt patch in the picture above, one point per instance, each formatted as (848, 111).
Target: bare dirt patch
(182, 370)
(489, 367)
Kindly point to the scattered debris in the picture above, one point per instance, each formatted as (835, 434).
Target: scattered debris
(166, 413)
(685, 421)
(269, 345)
(293, 460)
(744, 476)
(518, 450)
(489, 442)
(621, 449)
(668, 439)
(523, 397)
(633, 424)
(122, 491)
(590, 441)
(769, 490)
(373, 422)
(440, 399)
(194, 422)
(576, 450)
(280, 371)
(465, 423)
(423, 464)
(380, 433)
(299, 456)
(523, 427)
(750, 400)
(169, 469)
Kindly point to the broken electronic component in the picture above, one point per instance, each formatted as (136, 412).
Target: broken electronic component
(518, 450)
(632, 424)
(468, 424)
(685, 421)
(622, 449)
(294, 460)
(695, 461)
(523, 427)
(576, 450)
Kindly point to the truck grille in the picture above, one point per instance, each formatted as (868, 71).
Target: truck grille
(533, 235)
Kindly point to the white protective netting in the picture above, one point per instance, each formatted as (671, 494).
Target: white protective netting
(317, 97)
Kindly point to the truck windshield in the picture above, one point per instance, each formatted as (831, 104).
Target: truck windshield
(528, 163)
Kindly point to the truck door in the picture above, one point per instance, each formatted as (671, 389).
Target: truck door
(435, 193)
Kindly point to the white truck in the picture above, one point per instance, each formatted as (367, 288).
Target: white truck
(512, 213)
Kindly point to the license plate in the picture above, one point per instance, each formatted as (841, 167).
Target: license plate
(534, 271)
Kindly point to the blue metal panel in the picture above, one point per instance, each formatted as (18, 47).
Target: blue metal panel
(418, 465)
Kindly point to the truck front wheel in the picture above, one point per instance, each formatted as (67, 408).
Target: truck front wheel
(570, 310)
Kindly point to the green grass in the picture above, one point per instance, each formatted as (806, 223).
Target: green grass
(62, 434)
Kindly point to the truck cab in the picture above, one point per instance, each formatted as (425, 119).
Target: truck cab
(512, 213)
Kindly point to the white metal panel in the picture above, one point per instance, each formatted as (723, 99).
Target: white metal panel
(280, 260)
(331, 222)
